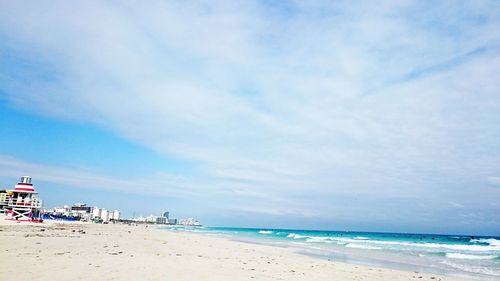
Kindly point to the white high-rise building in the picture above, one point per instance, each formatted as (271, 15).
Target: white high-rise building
(116, 215)
(151, 218)
(104, 215)
(96, 213)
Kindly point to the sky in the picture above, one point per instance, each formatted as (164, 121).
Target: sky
(340, 115)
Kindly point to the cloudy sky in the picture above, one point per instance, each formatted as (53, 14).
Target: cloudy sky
(299, 114)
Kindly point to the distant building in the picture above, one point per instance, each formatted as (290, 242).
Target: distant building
(166, 215)
(104, 215)
(190, 222)
(161, 220)
(96, 213)
(82, 211)
(172, 221)
(62, 211)
(116, 215)
(3, 199)
(151, 218)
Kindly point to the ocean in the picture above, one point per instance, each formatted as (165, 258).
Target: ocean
(457, 255)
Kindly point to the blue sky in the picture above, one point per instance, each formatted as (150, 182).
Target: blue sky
(299, 114)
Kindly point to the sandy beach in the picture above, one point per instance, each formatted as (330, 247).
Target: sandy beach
(85, 251)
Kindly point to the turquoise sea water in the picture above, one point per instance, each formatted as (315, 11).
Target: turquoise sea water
(471, 256)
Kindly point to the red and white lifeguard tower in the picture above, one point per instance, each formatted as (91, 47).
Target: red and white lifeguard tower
(23, 202)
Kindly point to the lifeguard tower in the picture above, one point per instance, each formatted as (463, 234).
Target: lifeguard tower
(23, 203)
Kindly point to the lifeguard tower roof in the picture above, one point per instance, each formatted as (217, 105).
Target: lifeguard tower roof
(25, 185)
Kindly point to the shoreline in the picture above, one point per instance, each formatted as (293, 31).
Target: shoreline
(345, 257)
(448, 255)
(78, 251)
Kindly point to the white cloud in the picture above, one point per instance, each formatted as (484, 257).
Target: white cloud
(393, 99)
(457, 205)
(75, 177)
(494, 180)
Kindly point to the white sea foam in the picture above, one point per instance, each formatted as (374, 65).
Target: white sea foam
(265, 232)
(319, 240)
(473, 268)
(361, 246)
(491, 241)
(469, 257)
(493, 244)
(457, 247)
(296, 236)
(473, 248)
(361, 238)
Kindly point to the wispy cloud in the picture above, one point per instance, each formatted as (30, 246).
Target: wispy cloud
(457, 205)
(75, 177)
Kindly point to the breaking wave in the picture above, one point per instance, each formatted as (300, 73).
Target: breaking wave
(296, 236)
(361, 246)
(491, 242)
(361, 238)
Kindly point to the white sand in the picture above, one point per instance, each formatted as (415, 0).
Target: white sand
(84, 251)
